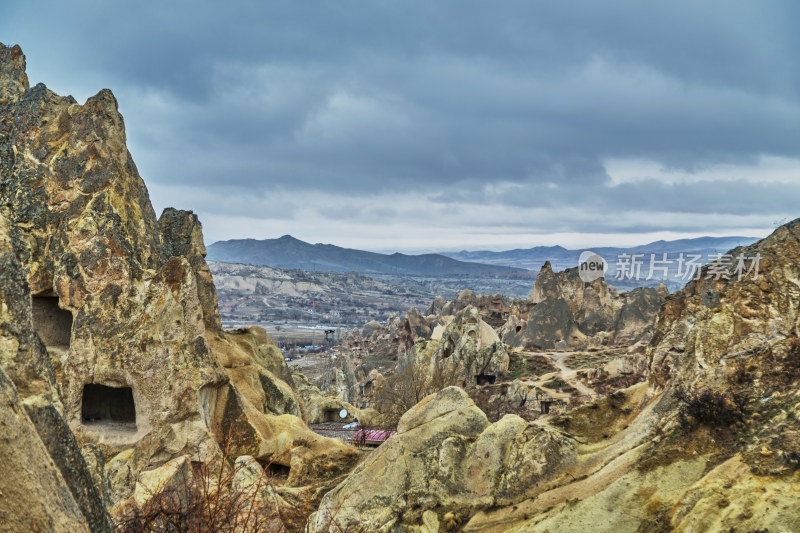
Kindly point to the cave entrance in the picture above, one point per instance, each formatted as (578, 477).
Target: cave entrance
(545, 406)
(485, 379)
(331, 415)
(53, 324)
(275, 470)
(111, 406)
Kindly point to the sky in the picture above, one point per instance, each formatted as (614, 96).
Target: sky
(420, 126)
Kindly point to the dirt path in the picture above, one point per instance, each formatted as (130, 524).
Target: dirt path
(568, 375)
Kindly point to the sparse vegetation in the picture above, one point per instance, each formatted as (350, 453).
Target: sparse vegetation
(711, 407)
(410, 384)
(524, 365)
(205, 500)
(589, 360)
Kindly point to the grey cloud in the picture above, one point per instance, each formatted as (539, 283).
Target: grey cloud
(443, 98)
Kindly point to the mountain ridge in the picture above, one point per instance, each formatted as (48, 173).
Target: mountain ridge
(560, 257)
(290, 252)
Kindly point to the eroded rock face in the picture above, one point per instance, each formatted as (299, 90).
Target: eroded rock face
(112, 315)
(564, 312)
(34, 493)
(713, 323)
(45, 485)
(467, 347)
(86, 235)
(445, 454)
(634, 321)
(22, 355)
(493, 309)
(182, 236)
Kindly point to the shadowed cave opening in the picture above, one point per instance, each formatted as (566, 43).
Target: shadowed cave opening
(53, 324)
(485, 379)
(112, 406)
(331, 415)
(273, 469)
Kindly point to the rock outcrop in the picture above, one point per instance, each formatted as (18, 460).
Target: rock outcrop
(467, 348)
(32, 391)
(493, 309)
(35, 496)
(564, 312)
(445, 455)
(112, 320)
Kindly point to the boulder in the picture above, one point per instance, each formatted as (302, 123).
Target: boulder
(445, 456)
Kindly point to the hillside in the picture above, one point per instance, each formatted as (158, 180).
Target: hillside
(290, 253)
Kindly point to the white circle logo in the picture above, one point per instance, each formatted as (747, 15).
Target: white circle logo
(591, 266)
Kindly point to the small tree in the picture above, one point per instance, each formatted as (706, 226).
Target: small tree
(412, 382)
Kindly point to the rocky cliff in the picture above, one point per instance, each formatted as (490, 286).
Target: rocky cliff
(112, 317)
(565, 312)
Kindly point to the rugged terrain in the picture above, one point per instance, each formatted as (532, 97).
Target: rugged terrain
(126, 405)
(710, 441)
(112, 345)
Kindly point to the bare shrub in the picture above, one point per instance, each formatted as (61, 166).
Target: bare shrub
(411, 383)
(710, 407)
(205, 502)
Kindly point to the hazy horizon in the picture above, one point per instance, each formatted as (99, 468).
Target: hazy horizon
(623, 243)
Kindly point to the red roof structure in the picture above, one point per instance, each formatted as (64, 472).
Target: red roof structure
(372, 437)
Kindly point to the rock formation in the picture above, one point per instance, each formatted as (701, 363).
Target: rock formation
(128, 347)
(494, 309)
(466, 347)
(445, 455)
(710, 443)
(565, 312)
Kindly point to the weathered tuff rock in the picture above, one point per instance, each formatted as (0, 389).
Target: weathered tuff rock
(319, 406)
(645, 458)
(713, 324)
(445, 455)
(494, 309)
(136, 361)
(35, 496)
(563, 312)
(467, 347)
(23, 357)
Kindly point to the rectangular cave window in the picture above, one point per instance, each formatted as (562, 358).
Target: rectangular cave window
(485, 379)
(545, 406)
(108, 405)
(53, 324)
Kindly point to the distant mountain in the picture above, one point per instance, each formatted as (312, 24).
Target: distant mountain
(288, 252)
(561, 258)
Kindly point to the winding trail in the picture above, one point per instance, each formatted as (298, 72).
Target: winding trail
(566, 374)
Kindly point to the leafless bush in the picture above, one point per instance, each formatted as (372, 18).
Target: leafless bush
(411, 383)
(205, 502)
(710, 407)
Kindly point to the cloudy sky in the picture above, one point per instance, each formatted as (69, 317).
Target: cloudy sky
(419, 125)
